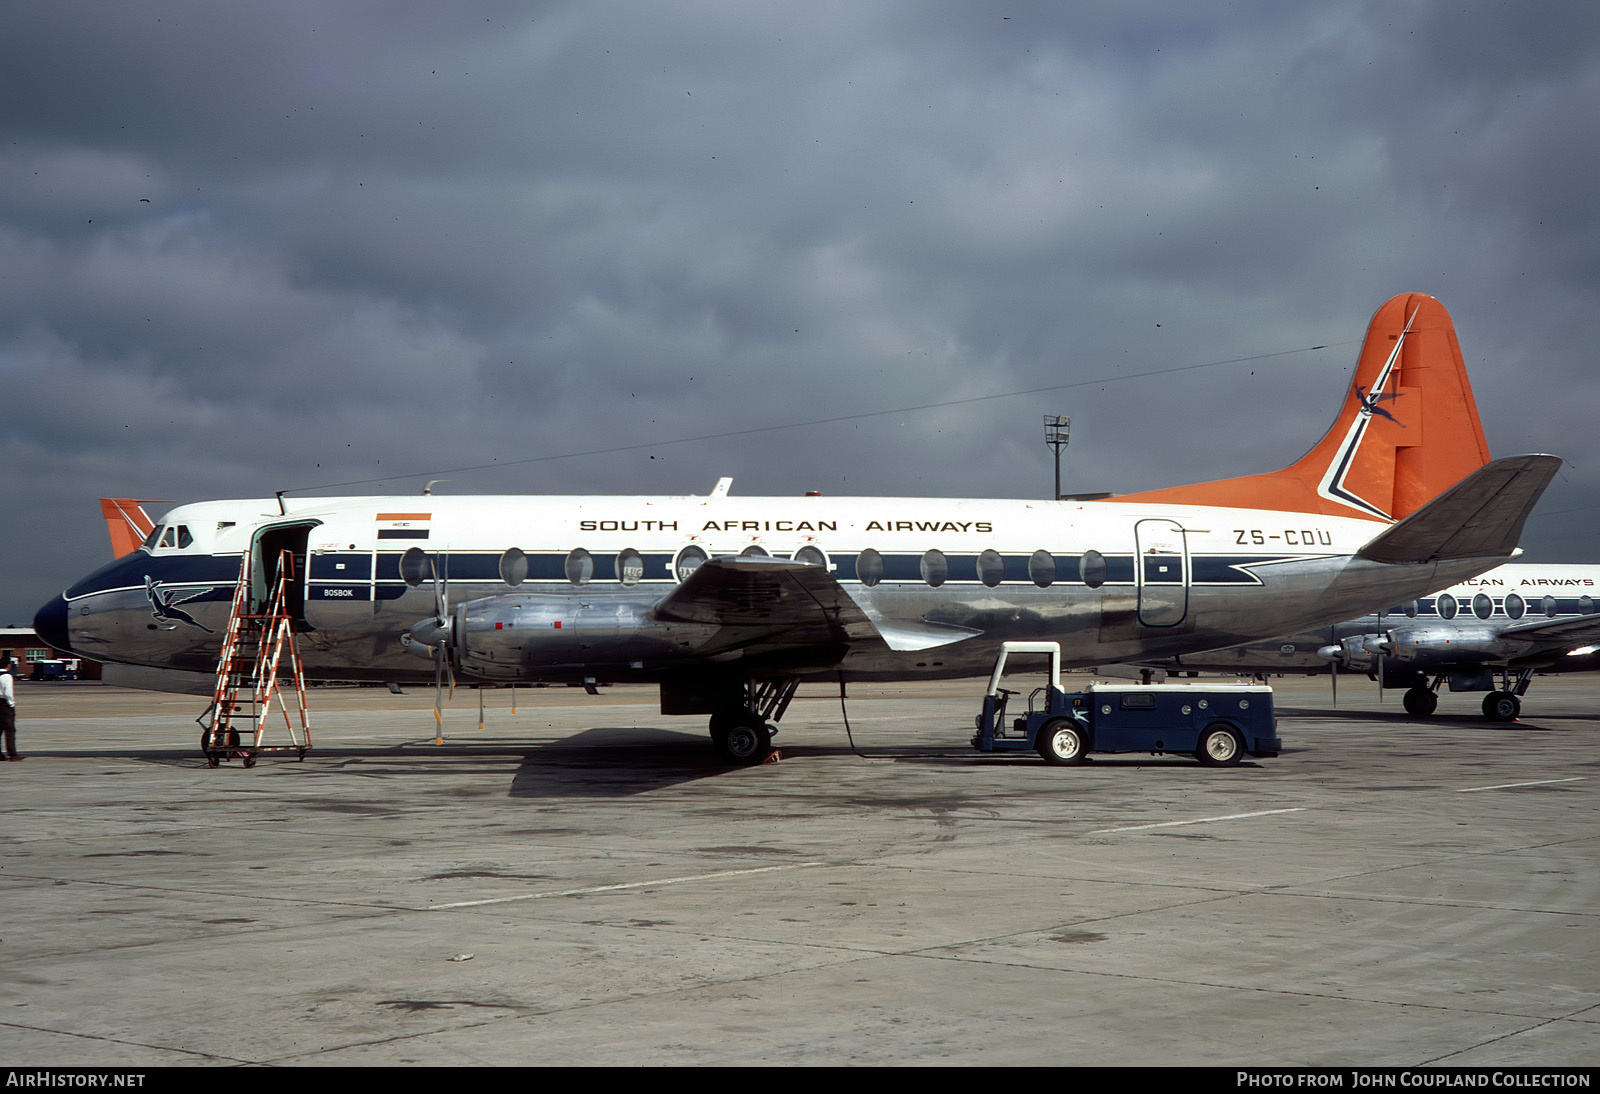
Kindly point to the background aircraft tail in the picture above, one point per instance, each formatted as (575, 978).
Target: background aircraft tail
(1408, 430)
(127, 522)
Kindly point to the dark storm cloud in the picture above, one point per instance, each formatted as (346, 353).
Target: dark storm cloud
(255, 246)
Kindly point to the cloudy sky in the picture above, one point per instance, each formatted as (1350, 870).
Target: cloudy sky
(346, 248)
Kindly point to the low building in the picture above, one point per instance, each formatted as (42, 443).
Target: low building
(36, 660)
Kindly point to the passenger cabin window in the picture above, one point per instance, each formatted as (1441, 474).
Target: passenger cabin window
(414, 566)
(1042, 568)
(1549, 606)
(1515, 606)
(580, 566)
(1447, 606)
(513, 567)
(688, 561)
(754, 551)
(1093, 569)
(935, 568)
(1586, 605)
(630, 566)
(811, 556)
(991, 568)
(1482, 606)
(869, 567)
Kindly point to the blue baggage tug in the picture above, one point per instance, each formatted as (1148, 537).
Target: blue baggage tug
(1217, 724)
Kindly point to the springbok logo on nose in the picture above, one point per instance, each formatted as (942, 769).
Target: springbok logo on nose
(164, 606)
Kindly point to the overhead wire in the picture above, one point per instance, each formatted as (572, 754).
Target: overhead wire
(834, 419)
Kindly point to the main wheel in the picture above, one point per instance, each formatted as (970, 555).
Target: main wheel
(1219, 746)
(1062, 741)
(1420, 702)
(746, 743)
(1501, 706)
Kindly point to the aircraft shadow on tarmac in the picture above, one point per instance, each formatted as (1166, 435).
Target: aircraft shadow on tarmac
(1473, 720)
(609, 761)
(620, 762)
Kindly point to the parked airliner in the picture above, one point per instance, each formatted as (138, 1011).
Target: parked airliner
(1490, 633)
(728, 602)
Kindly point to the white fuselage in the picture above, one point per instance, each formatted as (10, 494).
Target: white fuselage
(1110, 581)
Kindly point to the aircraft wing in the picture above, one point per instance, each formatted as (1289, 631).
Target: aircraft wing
(1479, 517)
(1568, 633)
(770, 604)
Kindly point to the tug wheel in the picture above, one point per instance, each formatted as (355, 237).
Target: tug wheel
(1219, 746)
(1062, 741)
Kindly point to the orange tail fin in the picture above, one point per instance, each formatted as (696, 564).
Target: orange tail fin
(1407, 431)
(127, 522)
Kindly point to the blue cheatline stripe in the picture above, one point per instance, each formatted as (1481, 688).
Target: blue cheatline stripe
(363, 567)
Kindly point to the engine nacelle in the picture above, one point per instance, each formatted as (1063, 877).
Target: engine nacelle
(567, 636)
(1356, 651)
(1423, 645)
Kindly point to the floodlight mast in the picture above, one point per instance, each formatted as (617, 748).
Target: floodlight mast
(1056, 430)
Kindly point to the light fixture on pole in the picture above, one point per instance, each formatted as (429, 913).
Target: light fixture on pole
(1056, 428)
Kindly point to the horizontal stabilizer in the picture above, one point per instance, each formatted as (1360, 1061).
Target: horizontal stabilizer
(1479, 517)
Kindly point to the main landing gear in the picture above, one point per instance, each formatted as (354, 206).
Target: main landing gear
(743, 729)
(1501, 705)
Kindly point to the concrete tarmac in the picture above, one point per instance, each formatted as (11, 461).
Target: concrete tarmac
(581, 882)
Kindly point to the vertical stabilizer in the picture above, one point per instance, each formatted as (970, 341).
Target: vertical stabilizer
(127, 522)
(1408, 430)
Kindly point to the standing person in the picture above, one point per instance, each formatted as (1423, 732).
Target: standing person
(8, 707)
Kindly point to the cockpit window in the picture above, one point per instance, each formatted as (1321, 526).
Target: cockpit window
(174, 535)
(154, 536)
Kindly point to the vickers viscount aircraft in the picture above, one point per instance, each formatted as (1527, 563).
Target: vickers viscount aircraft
(728, 602)
(1510, 623)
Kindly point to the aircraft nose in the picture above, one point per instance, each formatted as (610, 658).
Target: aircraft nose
(50, 624)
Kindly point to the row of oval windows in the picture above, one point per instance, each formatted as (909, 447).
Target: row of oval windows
(1515, 606)
(416, 566)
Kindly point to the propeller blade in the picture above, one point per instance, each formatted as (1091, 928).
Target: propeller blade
(1333, 667)
(438, 683)
(1384, 634)
(441, 607)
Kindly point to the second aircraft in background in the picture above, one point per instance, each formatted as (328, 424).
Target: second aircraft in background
(1489, 634)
